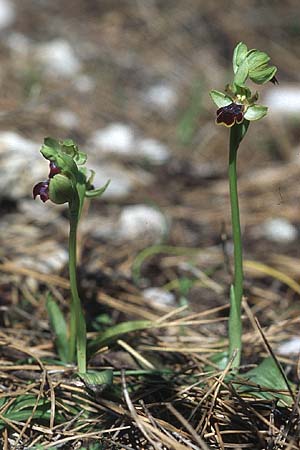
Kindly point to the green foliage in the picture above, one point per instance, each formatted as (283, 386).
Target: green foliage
(59, 327)
(113, 333)
(268, 379)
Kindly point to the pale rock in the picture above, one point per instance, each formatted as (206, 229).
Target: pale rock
(18, 43)
(121, 180)
(279, 230)
(290, 346)
(42, 213)
(115, 138)
(50, 259)
(162, 97)
(283, 99)
(58, 58)
(120, 139)
(65, 119)
(153, 150)
(159, 298)
(21, 165)
(7, 13)
(84, 84)
(141, 222)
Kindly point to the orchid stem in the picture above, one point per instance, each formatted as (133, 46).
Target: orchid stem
(237, 133)
(77, 339)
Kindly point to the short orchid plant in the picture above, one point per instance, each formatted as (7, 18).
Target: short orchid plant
(237, 107)
(68, 182)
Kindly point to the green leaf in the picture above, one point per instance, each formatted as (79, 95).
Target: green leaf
(268, 375)
(97, 381)
(220, 99)
(256, 112)
(59, 327)
(113, 333)
(239, 55)
(97, 192)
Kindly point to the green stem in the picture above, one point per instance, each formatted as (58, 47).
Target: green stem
(237, 132)
(77, 322)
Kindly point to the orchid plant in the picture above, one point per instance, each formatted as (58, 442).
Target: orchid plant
(68, 182)
(237, 107)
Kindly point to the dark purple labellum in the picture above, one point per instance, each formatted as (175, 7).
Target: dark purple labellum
(54, 170)
(41, 189)
(230, 114)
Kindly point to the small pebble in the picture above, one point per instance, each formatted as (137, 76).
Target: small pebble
(58, 58)
(162, 97)
(66, 119)
(7, 13)
(283, 99)
(141, 222)
(290, 346)
(279, 230)
(115, 138)
(159, 298)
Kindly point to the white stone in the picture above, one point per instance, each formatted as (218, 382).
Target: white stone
(283, 99)
(84, 84)
(21, 165)
(51, 258)
(161, 96)
(65, 119)
(153, 150)
(120, 139)
(279, 230)
(7, 13)
(115, 138)
(158, 297)
(141, 222)
(58, 58)
(121, 181)
(290, 346)
(19, 43)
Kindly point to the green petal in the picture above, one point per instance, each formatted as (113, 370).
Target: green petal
(256, 112)
(239, 55)
(97, 192)
(220, 99)
(263, 74)
(257, 59)
(241, 73)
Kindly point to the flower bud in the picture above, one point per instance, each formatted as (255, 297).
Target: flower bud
(60, 189)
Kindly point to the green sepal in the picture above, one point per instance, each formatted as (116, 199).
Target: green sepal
(97, 192)
(263, 74)
(256, 59)
(239, 54)
(242, 74)
(256, 112)
(61, 189)
(220, 99)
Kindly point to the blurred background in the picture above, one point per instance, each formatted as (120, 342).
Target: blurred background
(129, 82)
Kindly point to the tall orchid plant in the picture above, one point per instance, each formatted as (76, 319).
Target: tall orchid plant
(237, 107)
(68, 182)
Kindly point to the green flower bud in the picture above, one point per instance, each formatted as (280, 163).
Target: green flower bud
(61, 189)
